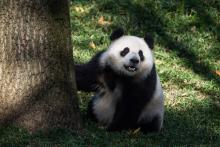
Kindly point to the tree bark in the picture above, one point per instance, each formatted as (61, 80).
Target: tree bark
(37, 87)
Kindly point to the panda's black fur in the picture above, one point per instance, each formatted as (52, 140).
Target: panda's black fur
(123, 101)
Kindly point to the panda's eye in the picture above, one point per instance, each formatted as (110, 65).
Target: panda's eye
(124, 52)
(141, 55)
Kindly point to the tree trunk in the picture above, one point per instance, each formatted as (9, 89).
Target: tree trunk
(37, 87)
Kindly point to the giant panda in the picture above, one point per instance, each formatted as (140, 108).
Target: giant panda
(128, 93)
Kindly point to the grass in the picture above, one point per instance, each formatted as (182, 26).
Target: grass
(187, 52)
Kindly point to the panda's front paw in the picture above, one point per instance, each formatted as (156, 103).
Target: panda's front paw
(153, 126)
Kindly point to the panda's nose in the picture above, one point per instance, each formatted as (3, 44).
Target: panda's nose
(134, 60)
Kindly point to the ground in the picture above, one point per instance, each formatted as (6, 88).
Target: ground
(187, 53)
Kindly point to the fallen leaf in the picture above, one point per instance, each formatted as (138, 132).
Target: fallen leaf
(217, 72)
(103, 22)
(92, 45)
(136, 131)
(193, 29)
(79, 9)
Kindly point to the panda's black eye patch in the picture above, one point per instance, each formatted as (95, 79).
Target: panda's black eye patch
(141, 55)
(124, 52)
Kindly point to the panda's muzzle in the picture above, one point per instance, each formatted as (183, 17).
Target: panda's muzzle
(132, 67)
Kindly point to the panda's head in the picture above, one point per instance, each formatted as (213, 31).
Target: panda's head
(129, 55)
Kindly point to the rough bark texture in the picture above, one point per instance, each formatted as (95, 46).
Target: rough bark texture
(37, 87)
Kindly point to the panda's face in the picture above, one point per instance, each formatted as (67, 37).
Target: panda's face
(129, 55)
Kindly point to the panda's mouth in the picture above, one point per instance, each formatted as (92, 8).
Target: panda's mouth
(130, 68)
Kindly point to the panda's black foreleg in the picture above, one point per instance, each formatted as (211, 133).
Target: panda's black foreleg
(86, 77)
(119, 121)
(110, 78)
(153, 126)
(123, 124)
(87, 74)
(123, 119)
(118, 126)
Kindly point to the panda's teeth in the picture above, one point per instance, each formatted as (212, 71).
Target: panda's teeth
(131, 68)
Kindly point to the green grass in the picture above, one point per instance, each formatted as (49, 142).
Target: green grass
(187, 52)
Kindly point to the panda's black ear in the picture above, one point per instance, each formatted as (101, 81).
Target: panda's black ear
(117, 34)
(149, 40)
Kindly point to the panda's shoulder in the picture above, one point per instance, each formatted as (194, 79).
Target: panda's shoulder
(96, 58)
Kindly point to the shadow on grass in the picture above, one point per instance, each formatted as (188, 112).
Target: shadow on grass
(192, 126)
(180, 128)
(189, 127)
(206, 20)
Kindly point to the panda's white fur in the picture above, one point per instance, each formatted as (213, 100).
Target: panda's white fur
(104, 107)
(129, 93)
